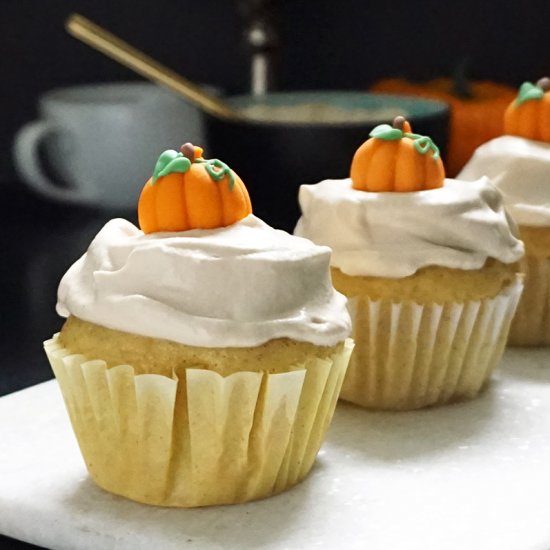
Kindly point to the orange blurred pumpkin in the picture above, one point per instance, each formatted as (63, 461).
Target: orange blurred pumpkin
(477, 110)
(395, 159)
(187, 191)
(528, 115)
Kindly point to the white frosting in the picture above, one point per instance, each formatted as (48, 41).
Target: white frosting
(234, 286)
(520, 168)
(459, 226)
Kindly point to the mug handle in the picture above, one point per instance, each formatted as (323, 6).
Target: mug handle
(27, 162)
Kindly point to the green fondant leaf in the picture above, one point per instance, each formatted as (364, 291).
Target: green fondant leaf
(164, 159)
(387, 132)
(529, 91)
(179, 164)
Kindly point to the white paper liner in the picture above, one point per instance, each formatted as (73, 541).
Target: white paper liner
(531, 324)
(198, 438)
(409, 356)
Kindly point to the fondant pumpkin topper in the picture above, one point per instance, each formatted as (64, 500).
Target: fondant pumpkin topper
(396, 159)
(187, 191)
(528, 115)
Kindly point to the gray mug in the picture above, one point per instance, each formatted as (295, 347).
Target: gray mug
(102, 141)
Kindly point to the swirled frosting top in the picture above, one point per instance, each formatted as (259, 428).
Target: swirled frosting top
(233, 286)
(459, 225)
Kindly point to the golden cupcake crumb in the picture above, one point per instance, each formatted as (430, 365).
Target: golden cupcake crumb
(432, 284)
(154, 355)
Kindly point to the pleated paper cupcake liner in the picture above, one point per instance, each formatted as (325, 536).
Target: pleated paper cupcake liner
(409, 356)
(531, 324)
(198, 438)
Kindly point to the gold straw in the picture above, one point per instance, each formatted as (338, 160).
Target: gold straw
(103, 41)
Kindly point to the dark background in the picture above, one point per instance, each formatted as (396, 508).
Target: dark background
(323, 44)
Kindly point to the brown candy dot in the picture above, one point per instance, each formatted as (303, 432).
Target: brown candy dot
(188, 150)
(544, 83)
(398, 122)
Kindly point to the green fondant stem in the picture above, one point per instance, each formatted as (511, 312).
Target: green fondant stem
(423, 144)
(217, 170)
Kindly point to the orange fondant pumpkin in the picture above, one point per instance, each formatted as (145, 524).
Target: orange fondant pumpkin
(528, 115)
(395, 159)
(189, 192)
(477, 109)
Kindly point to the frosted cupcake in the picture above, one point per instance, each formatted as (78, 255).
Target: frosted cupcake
(428, 265)
(202, 356)
(519, 165)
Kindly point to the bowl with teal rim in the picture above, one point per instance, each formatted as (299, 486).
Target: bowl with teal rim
(293, 138)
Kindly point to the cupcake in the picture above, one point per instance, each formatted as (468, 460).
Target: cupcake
(519, 165)
(428, 265)
(202, 356)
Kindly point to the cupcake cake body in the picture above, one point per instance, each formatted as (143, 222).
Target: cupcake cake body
(430, 274)
(200, 366)
(518, 164)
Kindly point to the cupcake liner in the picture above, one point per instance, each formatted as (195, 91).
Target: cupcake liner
(198, 438)
(531, 324)
(409, 355)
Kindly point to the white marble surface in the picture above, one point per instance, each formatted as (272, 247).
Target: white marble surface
(472, 476)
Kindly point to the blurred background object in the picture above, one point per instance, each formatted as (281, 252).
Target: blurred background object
(101, 139)
(321, 45)
(277, 141)
(274, 140)
(261, 35)
(109, 44)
